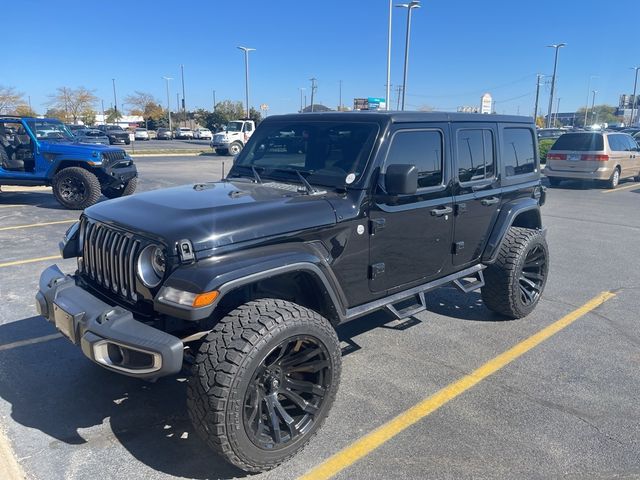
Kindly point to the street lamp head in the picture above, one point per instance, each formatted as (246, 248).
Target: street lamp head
(246, 49)
(557, 45)
(412, 4)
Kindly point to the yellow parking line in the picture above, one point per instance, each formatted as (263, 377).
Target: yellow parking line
(29, 260)
(18, 227)
(11, 206)
(617, 189)
(386, 432)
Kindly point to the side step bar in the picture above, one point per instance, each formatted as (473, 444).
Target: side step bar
(467, 280)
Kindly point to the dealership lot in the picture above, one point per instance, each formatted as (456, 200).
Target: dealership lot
(567, 407)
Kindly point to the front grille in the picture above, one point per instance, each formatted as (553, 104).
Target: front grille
(109, 257)
(114, 156)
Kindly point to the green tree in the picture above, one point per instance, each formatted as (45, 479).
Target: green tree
(112, 115)
(88, 116)
(598, 114)
(10, 98)
(24, 110)
(145, 105)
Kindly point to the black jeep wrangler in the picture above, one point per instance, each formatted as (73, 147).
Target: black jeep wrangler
(322, 219)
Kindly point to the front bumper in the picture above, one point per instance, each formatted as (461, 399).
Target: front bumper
(107, 335)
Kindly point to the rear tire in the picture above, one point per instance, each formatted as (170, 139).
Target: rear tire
(515, 282)
(76, 188)
(614, 180)
(127, 189)
(222, 151)
(263, 382)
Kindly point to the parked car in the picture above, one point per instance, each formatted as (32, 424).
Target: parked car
(323, 218)
(116, 134)
(183, 133)
(605, 157)
(550, 133)
(164, 134)
(141, 134)
(152, 134)
(202, 134)
(42, 151)
(91, 135)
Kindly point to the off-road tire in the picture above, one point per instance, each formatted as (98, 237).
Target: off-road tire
(554, 181)
(235, 148)
(89, 182)
(614, 180)
(128, 189)
(501, 292)
(222, 152)
(226, 364)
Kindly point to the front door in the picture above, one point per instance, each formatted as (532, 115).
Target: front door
(477, 189)
(410, 235)
(16, 150)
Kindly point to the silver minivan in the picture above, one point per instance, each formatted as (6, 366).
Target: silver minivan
(603, 156)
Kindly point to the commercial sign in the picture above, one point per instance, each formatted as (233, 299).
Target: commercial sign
(486, 102)
(371, 103)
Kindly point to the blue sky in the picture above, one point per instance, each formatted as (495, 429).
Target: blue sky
(459, 50)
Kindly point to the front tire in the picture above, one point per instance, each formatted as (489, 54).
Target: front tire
(515, 282)
(127, 189)
(222, 151)
(263, 382)
(76, 188)
(235, 148)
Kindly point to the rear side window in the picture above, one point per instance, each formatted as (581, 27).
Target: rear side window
(475, 155)
(579, 142)
(518, 151)
(422, 148)
(618, 143)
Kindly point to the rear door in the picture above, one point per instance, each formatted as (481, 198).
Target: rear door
(477, 189)
(410, 235)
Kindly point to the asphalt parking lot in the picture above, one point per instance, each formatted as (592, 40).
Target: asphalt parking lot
(567, 407)
(149, 146)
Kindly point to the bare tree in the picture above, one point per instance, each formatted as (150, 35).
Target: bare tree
(74, 102)
(9, 98)
(143, 104)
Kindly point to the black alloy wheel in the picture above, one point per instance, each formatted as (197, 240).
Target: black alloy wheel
(533, 275)
(76, 188)
(72, 190)
(287, 390)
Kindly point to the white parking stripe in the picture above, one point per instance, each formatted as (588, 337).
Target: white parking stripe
(30, 341)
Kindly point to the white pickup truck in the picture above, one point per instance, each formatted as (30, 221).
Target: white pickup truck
(234, 138)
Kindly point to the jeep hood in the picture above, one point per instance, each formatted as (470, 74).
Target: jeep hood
(69, 148)
(213, 215)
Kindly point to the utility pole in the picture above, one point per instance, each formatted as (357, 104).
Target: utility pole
(593, 104)
(340, 96)
(553, 80)
(214, 100)
(535, 111)
(586, 107)
(634, 100)
(388, 86)
(246, 51)
(184, 104)
(115, 100)
(301, 94)
(313, 90)
(399, 90)
(168, 102)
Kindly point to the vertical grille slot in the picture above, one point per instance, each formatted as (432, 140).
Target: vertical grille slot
(108, 258)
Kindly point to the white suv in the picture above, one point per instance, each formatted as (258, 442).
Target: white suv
(202, 134)
(183, 132)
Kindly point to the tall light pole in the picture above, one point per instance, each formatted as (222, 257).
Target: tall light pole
(409, 6)
(340, 96)
(557, 111)
(301, 94)
(535, 111)
(388, 91)
(635, 100)
(168, 101)
(557, 47)
(246, 51)
(115, 99)
(586, 107)
(214, 100)
(593, 104)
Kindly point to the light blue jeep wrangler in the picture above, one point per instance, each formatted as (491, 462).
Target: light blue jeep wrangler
(42, 151)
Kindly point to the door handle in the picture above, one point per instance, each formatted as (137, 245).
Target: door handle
(489, 201)
(438, 212)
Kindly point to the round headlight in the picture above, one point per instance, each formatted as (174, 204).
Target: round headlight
(151, 266)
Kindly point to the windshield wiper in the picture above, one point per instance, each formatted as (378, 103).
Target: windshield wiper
(307, 185)
(255, 174)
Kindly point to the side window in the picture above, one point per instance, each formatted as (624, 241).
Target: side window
(422, 148)
(615, 144)
(475, 155)
(518, 151)
(248, 127)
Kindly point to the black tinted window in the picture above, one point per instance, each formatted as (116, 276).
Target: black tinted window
(422, 149)
(475, 155)
(618, 143)
(580, 142)
(518, 151)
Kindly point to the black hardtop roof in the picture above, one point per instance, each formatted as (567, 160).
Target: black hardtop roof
(402, 117)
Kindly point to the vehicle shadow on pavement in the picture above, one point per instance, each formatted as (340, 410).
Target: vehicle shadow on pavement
(451, 302)
(53, 388)
(39, 199)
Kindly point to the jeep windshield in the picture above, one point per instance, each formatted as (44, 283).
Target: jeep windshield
(331, 154)
(50, 131)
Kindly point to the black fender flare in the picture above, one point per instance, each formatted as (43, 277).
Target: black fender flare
(508, 214)
(245, 267)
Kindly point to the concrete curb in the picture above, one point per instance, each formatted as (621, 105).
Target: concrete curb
(9, 466)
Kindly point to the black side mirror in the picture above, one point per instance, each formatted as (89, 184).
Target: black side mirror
(401, 179)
